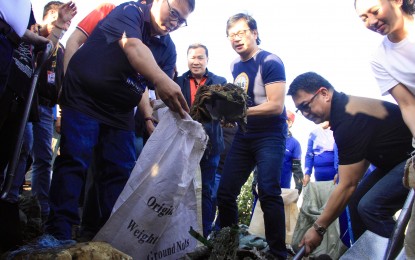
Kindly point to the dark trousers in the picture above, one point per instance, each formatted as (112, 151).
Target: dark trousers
(79, 135)
(208, 167)
(267, 154)
(376, 200)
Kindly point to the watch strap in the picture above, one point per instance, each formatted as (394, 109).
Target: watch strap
(319, 229)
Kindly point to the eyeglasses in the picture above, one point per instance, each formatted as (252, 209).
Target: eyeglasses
(305, 107)
(240, 34)
(175, 16)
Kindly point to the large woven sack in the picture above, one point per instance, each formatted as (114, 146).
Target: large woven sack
(409, 173)
(315, 196)
(290, 197)
(157, 207)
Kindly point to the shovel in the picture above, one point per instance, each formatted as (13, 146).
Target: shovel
(371, 245)
(11, 169)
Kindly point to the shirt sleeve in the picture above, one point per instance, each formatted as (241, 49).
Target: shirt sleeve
(125, 21)
(309, 157)
(88, 24)
(273, 70)
(297, 150)
(385, 81)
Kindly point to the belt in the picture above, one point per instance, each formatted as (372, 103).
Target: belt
(9, 33)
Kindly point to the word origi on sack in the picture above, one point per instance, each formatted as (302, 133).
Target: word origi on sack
(162, 209)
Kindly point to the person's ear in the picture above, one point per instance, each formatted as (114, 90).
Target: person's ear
(326, 94)
(398, 2)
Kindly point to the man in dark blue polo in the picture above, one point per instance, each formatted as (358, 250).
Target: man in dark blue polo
(104, 81)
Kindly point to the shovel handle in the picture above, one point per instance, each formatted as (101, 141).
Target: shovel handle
(300, 253)
(11, 168)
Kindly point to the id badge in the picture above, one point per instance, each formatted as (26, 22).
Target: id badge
(51, 77)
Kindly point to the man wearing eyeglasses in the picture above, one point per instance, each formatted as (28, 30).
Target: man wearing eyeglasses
(104, 81)
(262, 75)
(366, 131)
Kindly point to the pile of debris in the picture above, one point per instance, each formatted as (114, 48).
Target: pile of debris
(229, 243)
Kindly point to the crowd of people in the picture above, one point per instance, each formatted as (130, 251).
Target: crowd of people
(96, 90)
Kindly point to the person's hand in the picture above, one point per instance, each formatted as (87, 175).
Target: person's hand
(150, 125)
(306, 180)
(311, 240)
(172, 96)
(58, 125)
(227, 124)
(65, 14)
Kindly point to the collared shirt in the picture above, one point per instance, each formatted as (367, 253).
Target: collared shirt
(100, 80)
(194, 85)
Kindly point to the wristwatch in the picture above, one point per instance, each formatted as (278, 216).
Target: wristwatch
(319, 229)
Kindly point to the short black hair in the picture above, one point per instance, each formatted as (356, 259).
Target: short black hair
(250, 21)
(192, 4)
(198, 45)
(308, 82)
(50, 6)
(408, 6)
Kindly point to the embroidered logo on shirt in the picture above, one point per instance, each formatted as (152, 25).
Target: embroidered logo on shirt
(242, 81)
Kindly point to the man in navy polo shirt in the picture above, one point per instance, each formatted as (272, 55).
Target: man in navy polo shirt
(262, 75)
(104, 81)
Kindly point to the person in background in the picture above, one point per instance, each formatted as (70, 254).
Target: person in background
(366, 131)
(198, 75)
(14, 28)
(13, 102)
(292, 159)
(393, 63)
(49, 85)
(320, 154)
(262, 75)
(98, 105)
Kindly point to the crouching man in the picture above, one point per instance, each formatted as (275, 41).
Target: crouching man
(366, 131)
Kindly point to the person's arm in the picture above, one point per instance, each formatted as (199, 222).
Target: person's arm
(142, 60)
(406, 102)
(73, 43)
(297, 174)
(58, 119)
(275, 101)
(146, 110)
(349, 178)
(309, 161)
(65, 14)
(33, 38)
